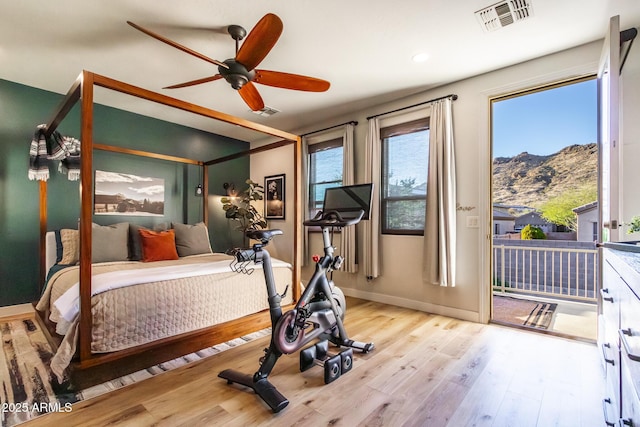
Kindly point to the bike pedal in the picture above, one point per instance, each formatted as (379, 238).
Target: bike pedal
(307, 358)
(346, 360)
(332, 369)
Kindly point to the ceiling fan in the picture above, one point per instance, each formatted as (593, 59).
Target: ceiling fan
(241, 71)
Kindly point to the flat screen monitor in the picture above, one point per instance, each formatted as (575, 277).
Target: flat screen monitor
(349, 200)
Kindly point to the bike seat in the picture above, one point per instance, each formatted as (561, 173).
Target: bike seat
(263, 235)
(333, 218)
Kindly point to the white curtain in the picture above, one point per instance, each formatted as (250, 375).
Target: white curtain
(372, 227)
(348, 247)
(440, 220)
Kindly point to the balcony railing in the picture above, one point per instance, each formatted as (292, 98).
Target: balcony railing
(557, 272)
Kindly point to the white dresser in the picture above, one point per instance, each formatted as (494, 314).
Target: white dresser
(619, 334)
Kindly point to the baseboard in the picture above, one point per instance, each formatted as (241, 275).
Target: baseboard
(457, 313)
(16, 311)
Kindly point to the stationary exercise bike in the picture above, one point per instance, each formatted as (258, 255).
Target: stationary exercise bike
(317, 315)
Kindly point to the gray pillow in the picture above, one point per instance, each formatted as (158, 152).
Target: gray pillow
(192, 239)
(109, 242)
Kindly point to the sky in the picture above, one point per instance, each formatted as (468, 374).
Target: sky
(542, 123)
(132, 186)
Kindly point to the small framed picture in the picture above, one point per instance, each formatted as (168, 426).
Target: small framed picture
(274, 200)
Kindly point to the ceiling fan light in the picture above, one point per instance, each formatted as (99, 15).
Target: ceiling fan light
(420, 57)
(236, 74)
(236, 80)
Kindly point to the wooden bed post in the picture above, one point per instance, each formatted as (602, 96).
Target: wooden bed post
(43, 233)
(60, 113)
(86, 208)
(297, 217)
(205, 194)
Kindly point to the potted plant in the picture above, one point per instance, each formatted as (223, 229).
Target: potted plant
(634, 225)
(240, 208)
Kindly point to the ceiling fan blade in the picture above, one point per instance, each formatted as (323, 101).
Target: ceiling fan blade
(176, 45)
(250, 95)
(260, 41)
(291, 81)
(195, 82)
(193, 29)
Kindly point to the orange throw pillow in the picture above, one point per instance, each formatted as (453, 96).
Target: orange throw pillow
(158, 245)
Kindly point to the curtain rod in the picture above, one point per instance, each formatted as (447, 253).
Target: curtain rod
(452, 96)
(352, 122)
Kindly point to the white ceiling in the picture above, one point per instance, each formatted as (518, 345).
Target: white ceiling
(363, 47)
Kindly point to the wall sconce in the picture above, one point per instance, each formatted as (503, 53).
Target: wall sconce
(199, 189)
(230, 189)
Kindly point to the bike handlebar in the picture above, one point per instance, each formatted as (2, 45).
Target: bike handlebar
(333, 218)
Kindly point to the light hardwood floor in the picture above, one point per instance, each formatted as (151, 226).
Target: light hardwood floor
(426, 370)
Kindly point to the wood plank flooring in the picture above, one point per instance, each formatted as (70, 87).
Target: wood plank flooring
(426, 370)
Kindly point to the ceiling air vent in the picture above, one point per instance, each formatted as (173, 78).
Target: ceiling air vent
(504, 13)
(266, 111)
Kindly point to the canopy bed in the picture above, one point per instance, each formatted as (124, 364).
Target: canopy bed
(95, 361)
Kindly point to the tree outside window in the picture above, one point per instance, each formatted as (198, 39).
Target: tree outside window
(405, 155)
(325, 171)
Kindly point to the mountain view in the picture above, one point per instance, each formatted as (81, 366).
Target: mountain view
(531, 180)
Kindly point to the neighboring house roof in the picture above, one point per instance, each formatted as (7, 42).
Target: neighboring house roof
(533, 218)
(586, 208)
(501, 214)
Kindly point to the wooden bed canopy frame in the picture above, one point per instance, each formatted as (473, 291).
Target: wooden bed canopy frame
(83, 90)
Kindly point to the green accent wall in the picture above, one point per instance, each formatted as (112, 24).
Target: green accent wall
(22, 108)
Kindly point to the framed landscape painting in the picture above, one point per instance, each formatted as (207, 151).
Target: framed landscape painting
(127, 194)
(274, 201)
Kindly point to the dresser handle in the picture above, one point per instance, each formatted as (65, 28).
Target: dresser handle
(604, 348)
(605, 404)
(624, 333)
(606, 298)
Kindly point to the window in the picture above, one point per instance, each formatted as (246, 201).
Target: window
(325, 171)
(405, 158)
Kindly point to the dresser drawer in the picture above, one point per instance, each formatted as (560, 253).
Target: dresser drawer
(613, 285)
(609, 321)
(608, 339)
(612, 397)
(629, 335)
(630, 413)
(620, 303)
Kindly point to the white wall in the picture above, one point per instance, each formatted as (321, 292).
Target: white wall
(630, 137)
(503, 226)
(585, 225)
(401, 279)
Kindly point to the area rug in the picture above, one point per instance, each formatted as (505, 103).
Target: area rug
(30, 389)
(524, 312)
